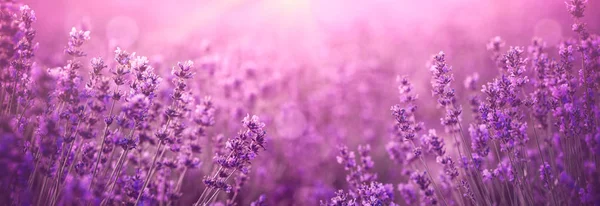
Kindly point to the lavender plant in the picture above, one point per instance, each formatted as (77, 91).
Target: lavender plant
(99, 124)
(86, 139)
(498, 160)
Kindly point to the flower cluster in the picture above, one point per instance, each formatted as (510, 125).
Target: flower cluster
(364, 190)
(240, 151)
(86, 139)
(403, 146)
(500, 149)
(441, 79)
(423, 182)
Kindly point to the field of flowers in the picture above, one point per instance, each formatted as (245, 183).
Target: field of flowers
(291, 102)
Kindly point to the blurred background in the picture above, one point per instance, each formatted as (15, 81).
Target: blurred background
(321, 73)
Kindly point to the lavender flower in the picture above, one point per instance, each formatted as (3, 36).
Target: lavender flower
(480, 137)
(436, 144)
(241, 150)
(260, 202)
(364, 190)
(423, 182)
(546, 173)
(494, 46)
(408, 193)
(576, 7)
(77, 38)
(446, 97)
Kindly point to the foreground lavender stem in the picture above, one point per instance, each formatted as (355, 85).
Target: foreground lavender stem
(104, 135)
(150, 172)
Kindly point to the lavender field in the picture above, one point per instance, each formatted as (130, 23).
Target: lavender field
(299, 102)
